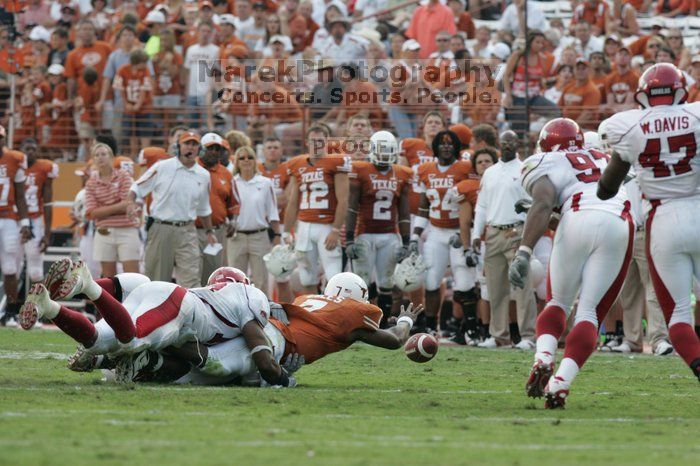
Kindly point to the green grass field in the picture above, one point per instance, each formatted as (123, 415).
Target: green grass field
(359, 407)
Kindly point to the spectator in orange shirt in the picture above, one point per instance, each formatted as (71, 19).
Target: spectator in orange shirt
(601, 71)
(134, 83)
(272, 105)
(675, 43)
(463, 19)
(91, 52)
(11, 57)
(62, 134)
(621, 85)
(694, 90)
(593, 12)
(622, 19)
(580, 99)
(673, 8)
(226, 38)
(427, 21)
(167, 62)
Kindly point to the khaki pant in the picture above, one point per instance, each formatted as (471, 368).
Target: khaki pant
(501, 246)
(169, 247)
(209, 262)
(637, 291)
(244, 250)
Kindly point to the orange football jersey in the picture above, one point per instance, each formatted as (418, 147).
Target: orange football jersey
(416, 151)
(380, 196)
(12, 170)
(317, 201)
(150, 155)
(279, 177)
(40, 171)
(436, 184)
(469, 188)
(320, 325)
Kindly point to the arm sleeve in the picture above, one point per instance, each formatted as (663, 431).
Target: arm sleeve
(616, 133)
(480, 211)
(146, 183)
(54, 171)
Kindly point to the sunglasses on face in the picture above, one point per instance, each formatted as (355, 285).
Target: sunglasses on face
(246, 158)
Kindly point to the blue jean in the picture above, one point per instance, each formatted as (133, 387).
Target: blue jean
(517, 117)
(406, 123)
(198, 114)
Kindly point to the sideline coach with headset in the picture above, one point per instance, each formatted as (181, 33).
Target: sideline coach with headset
(179, 187)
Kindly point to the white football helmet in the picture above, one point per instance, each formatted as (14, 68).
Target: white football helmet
(410, 274)
(281, 261)
(347, 285)
(383, 148)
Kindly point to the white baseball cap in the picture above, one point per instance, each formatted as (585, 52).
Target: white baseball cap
(284, 40)
(500, 50)
(155, 17)
(211, 139)
(227, 19)
(56, 69)
(40, 33)
(410, 44)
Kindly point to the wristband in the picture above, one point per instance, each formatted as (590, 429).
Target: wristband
(525, 249)
(420, 222)
(25, 223)
(415, 237)
(405, 319)
(259, 348)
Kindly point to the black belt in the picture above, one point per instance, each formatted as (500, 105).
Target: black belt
(506, 227)
(251, 232)
(215, 227)
(173, 224)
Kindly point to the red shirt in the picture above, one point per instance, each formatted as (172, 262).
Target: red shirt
(427, 22)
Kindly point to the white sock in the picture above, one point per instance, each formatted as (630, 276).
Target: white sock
(546, 348)
(52, 310)
(568, 369)
(92, 290)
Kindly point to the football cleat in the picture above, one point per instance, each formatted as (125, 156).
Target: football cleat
(57, 274)
(34, 307)
(82, 361)
(75, 282)
(539, 378)
(556, 399)
(664, 348)
(611, 343)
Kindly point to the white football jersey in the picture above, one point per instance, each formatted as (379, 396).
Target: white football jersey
(575, 176)
(232, 305)
(661, 144)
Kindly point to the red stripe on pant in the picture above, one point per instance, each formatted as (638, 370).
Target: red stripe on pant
(160, 315)
(613, 292)
(662, 294)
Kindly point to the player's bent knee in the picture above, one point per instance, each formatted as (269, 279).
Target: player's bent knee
(682, 315)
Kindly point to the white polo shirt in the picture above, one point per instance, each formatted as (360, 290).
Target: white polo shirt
(500, 190)
(257, 201)
(179, 193)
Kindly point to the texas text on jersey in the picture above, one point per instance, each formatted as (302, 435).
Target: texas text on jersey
(317, 200)
(437, 181)
(380, 195)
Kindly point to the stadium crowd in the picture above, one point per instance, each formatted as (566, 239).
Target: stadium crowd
(188, 117)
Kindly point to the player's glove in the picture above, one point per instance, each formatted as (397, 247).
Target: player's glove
(401, 253)
(455, 241)
(471, 258)
(352, 250)
(293, 363)
(519, 268)
(522, 206)
(278, 312)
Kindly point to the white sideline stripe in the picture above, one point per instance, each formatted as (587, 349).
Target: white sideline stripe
(521, 420)
(417, 443)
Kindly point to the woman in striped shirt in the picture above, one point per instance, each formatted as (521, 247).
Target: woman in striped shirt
(117, 235)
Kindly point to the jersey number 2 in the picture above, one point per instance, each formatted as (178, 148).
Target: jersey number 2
(651, 157)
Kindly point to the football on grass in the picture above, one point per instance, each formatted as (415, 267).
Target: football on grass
(421, 347)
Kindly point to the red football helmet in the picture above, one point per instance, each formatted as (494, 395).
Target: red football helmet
(662, 84)
(560, 134)
(228, 275)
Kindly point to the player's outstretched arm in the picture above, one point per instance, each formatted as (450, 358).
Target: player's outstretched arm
(395, 337)
(261, 351)
(290, 215)
(613, 177)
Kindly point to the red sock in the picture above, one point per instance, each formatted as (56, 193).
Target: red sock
(76, 325)
(685, 342)
(107, 284)
(116, 316)
(551, 321)
(581, 342)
